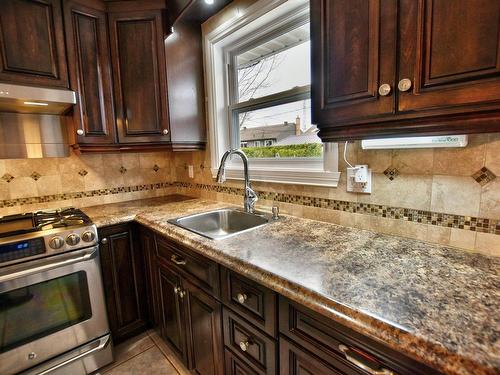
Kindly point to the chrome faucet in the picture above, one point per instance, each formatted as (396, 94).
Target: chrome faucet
(250, 195)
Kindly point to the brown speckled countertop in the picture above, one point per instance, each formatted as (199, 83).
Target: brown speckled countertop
(437, 304)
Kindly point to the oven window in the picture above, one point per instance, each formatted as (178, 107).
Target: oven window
(38, 310)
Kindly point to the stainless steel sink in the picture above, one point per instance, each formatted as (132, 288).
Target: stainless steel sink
(220, 224)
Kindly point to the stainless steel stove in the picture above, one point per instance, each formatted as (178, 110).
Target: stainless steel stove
(52, 311)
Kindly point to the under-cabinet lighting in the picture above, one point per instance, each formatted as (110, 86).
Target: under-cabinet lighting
(415, 142)
(36, 103)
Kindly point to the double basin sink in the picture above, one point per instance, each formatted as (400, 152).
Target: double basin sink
(220, 224)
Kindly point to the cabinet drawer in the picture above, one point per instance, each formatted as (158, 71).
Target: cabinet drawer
(248, 343)
(200, 270)
(235, 366)
(255, 302)
(295, 360)
(334, 343)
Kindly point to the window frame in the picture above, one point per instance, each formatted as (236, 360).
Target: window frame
(262, 21)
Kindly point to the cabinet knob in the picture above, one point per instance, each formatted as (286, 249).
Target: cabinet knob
(176, 290)
(165, 132)
(104, 241)
(384, 89)
(182, 293)
(241, 297)
(404, 85)
(244, 345)
(80, 132)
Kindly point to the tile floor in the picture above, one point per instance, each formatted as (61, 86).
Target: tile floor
(142, 355)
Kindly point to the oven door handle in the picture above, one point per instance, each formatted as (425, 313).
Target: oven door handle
(26, 269)
(102, 343)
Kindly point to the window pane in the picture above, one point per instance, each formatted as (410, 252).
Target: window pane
(281, 131)
(274, 66)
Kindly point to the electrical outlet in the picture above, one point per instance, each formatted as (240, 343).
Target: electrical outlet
(359, 179)
(191, 171)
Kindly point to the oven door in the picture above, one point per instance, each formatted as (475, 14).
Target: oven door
(48, 307)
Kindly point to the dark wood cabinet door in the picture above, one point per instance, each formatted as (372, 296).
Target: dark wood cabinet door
(32, 43)
(173, 327)
(139, 76)
(205, 331)
(124, 282)
(146, 243)
(450, 52)
(89, 70)
(353, 54)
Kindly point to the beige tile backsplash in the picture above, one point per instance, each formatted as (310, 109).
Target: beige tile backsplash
(437, 180)
(79, 173)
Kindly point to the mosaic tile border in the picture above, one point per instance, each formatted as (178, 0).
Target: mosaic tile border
(84, 194)
(476, 224)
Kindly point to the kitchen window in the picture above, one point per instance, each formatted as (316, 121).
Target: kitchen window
(259, 83)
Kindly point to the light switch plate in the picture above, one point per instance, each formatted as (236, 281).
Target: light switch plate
(359, 187)
(190, 171)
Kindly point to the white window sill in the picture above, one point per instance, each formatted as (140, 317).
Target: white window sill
(293, 176)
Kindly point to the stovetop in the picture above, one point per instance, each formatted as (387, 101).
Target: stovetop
(44, 233)
(19, 224)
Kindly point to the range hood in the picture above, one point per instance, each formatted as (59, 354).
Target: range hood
(29, 99)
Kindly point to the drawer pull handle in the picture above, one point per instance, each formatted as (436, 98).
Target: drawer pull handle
(178, 260)
(244, 345)
(363, 362)
(241, 297)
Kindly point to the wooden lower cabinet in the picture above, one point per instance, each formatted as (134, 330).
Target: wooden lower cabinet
(231, 337)
(124, 281)
(191, 323)
(173, 323)
(203, 314)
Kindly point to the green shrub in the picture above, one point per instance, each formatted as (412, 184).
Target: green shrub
(290, 151)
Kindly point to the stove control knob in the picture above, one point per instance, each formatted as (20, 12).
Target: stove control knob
(88, 236)
(56, 243)
(73, 239)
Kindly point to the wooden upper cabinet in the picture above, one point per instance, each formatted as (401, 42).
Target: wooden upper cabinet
(387, 68)
(89, 70)
(353, 54)
(139, 75)
(450, 50)
(32, 43)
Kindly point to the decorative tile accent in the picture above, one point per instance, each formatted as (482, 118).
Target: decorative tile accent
(7, 177)
(35, 176)
(483, 176)
(123, 169)
(156, 168)
(475, 224)
(391, 173)
(83, 172)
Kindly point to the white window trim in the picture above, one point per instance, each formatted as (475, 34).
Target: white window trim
(257, 20)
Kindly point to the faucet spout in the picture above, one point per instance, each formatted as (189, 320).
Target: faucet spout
(250, 196)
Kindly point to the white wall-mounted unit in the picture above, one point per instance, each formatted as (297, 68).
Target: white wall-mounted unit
(415, 142)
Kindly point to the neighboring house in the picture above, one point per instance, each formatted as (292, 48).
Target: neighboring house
(288, 133)
(309, 136)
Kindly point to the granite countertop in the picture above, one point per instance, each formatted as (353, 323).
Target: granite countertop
(437, 304)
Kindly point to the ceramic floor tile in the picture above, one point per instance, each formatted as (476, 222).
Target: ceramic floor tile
(167, 352)
(129, 349)
(152, 361)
